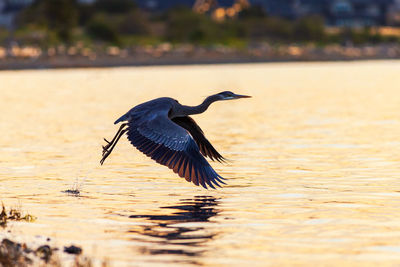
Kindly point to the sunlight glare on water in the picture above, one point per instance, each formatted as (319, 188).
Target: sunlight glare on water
(313, 176)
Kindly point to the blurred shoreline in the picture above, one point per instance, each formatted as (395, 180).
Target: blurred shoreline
(29, 57)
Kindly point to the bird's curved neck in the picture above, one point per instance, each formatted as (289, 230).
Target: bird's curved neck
(192, 110)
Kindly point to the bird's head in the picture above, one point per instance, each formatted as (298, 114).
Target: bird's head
(228, 95)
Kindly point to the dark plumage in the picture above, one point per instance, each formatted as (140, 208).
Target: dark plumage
(162, 130)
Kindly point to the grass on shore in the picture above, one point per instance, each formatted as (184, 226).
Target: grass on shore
(14, 214)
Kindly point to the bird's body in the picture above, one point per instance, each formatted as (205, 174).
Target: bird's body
(162, 130)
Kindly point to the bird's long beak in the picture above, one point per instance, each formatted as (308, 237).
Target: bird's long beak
(242, 96)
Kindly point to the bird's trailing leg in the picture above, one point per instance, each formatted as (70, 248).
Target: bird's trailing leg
(110, 145)
(106, 153)
(105, 148)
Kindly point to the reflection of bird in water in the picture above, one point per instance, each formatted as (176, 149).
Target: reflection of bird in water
(162, 129)
(171, 238)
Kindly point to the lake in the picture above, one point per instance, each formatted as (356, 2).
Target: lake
(313, 176)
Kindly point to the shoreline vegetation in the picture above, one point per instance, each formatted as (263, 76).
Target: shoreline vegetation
(14, 214)
(79, 56)
(66, 34)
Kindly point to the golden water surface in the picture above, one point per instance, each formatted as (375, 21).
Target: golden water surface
(314, 176)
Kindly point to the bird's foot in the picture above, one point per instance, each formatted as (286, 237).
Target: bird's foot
(106, 147)
(106, 153)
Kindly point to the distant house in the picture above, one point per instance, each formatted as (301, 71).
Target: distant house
(336, 12)
(8, 10)
(292, 9)
(358, 13)
(394, 13)
(163, 5)
(284, 8)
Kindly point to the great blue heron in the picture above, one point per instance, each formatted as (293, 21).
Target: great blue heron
(162, 130)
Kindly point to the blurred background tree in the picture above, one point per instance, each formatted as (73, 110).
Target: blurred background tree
(114, 6)
(123, 22)
(101, 28)
(310, 28)
(58, 15)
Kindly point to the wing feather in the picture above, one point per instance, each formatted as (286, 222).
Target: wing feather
(170, 144)
(198, 135)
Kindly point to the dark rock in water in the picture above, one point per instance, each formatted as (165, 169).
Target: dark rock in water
(74, 192)
(44, 252)
(8, 243)
(73, 250)
(12, 254)
(26, 249)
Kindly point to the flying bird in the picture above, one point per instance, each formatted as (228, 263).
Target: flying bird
(163, 130)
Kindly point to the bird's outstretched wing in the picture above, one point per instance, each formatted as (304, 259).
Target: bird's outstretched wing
(204, 145)
(169, 144)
